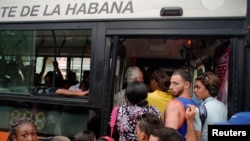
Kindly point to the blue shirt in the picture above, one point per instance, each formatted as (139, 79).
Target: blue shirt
(185, 102)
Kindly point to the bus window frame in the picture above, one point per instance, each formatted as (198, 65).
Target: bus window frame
(88, 101)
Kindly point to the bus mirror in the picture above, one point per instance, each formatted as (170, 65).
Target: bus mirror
(171, 11)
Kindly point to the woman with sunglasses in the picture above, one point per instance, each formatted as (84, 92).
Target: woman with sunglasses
(206, 88)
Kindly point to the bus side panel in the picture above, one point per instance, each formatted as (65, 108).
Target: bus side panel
(3, 136)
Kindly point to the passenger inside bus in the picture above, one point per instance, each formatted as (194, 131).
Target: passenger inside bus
(147, 76)
(133, 73)
(12, 67)
(67, 92)
(58, 87)
(16, 79)
(71, 80)
(4, 79)
(77, 85)
(37, 76)
(83, 90)
(159, 83)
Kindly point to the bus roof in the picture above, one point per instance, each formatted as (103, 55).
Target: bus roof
(53, 10)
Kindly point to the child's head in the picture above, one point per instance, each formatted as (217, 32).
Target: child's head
(85, 135)
(23, 129)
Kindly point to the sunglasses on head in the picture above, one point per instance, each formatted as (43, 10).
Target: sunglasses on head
(204, 77)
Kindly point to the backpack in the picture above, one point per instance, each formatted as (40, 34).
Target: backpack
(202, 114)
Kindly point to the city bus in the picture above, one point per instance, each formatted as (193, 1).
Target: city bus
(98, 40)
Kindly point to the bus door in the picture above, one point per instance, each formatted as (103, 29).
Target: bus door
(193, 53)
(115, 68)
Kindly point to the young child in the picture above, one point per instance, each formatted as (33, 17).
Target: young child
(85, 135)
(22, 130)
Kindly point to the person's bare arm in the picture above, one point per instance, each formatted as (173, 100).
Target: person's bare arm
(198, 135)
(59, 73)
(190, 114)
(20, 64)
(192, 134)
(71, 92)
(172, 114)
(43, 67)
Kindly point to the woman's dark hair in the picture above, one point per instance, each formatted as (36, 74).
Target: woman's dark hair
(84, 135)
(148, 73)
(148, 122)
(49, 74)
(162, 79)
(71, 75)
(15, 125)
(167, 134)
(84, 85)
(136, 93)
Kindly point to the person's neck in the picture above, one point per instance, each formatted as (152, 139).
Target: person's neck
(185, 94)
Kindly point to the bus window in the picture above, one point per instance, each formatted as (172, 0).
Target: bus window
(81, 66)
(69, 57)
(27, 56)
(16, 52)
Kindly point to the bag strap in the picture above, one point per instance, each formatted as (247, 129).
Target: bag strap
(202, 114)
(113, 119)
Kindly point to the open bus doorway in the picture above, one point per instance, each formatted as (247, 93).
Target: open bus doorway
(196, 55)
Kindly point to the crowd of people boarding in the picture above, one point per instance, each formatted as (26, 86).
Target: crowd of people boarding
(169, 99)
(160, 110)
